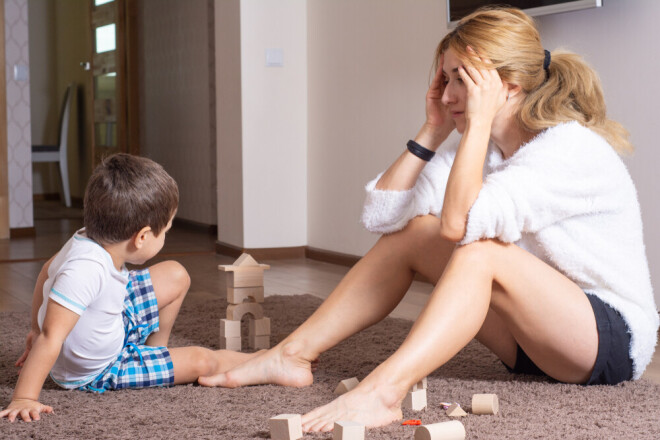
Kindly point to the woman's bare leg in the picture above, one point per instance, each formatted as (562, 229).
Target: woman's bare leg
(549, 316)
(368, 293)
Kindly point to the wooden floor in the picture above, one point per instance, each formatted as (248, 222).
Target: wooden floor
(21, 260)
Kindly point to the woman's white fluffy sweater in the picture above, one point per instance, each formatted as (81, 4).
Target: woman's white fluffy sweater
(566, 197)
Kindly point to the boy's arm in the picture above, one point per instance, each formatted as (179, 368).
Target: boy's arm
(57, 325)
(37, 300)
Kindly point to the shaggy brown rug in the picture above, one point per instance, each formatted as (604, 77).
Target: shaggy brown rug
(530, 408)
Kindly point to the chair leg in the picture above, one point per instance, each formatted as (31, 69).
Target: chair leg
(64, 173)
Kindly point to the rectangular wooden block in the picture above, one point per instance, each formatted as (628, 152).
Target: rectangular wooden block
(249, 277)
(259, 327)
(230, 329)
(259, 342)
(233, 344)
(236, 295)
(415, 400)
(286, 427)
(421, 385)
(348, 430)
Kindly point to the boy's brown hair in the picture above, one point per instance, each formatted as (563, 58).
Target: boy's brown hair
(126, 193)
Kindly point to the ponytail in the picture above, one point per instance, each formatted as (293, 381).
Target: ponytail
(571, 92)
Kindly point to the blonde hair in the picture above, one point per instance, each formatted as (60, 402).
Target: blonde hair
(569, 91)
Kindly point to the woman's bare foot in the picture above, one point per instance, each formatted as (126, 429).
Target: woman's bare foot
(368, 404)
(228, 359)
(281, 365)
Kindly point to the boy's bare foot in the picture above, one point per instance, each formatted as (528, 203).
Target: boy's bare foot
(281, 365)
(371, 405)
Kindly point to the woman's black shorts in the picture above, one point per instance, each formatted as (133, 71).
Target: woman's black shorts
(613, 363)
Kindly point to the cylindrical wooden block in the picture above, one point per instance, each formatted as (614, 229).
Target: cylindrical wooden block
(485, 404)
(453, 430)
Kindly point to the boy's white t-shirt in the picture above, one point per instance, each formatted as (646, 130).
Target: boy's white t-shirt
(82, 278)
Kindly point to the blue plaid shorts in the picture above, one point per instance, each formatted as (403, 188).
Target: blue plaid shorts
(138, 365)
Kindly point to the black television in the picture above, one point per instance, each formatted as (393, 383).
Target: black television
(457, 9)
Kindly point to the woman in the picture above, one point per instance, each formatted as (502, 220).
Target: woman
(542, 260)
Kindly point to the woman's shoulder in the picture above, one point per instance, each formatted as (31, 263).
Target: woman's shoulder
(569, 142)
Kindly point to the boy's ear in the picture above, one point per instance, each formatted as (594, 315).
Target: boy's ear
(141, 236)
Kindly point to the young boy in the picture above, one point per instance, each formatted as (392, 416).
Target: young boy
(95, 325)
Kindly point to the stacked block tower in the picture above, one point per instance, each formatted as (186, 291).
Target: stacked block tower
(244, 287)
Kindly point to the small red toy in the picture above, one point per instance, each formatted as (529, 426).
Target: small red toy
(412, 422)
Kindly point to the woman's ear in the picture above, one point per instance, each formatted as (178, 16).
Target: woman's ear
(141, 236)
(512, 89)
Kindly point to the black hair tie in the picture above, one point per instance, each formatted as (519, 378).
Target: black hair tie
(546, 63)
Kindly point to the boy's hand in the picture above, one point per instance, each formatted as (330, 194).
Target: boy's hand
(27, 409)
(28, 346)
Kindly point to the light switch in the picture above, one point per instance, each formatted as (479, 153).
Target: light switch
(21, 72)
(274, 57)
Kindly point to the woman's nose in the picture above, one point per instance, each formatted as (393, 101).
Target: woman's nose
(447, 96)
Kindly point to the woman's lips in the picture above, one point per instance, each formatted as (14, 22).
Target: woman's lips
(456, 114)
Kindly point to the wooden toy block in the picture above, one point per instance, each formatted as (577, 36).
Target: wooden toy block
(245, 272)
(286, 427)
(348, 430)
(233, 344)
(485, 404)
(421, 385)
(230, 329)
(453, 430)
(236, 295)
(259, 341)
(456, 411)
(259, 327)
(245, 260)
(249, 277)
(236, 311)
(346, 385)
(415, 400)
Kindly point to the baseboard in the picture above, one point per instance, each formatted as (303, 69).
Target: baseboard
(331, 256)
(191, 225)
(260, 253)
(312, 253)
(22, 232)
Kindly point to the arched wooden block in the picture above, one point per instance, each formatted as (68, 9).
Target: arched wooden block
(236, 311)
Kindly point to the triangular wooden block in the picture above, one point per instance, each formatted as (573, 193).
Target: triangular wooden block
(245, 260)
(456, 411)
(346, 385)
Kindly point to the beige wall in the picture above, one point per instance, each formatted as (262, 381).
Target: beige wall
(367, 75)
(229, 136)
(177, 102)
(369, 67)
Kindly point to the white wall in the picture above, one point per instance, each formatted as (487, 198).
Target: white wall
(367, 76)
(620, 40)
(274, 124)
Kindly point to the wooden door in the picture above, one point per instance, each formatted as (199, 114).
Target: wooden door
(110, 80)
